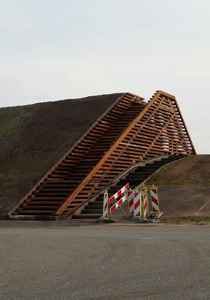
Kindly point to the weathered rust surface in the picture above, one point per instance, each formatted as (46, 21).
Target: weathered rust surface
(128, 132)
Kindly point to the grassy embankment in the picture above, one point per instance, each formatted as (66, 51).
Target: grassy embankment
(189, 219)
(12, 120)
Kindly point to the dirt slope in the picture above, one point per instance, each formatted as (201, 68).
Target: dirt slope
(192, 170)
(34, 137)
(184, 200)
(184, 187)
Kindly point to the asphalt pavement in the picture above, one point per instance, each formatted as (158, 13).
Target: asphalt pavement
(62, 261)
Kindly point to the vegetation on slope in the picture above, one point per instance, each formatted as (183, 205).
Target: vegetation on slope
(34, 137)
(192, 170)
(12, 120)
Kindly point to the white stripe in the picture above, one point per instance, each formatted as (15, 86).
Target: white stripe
(145, 208)
(105, 212)
(117, 204)
(153, 194)
(124, 198)
(137, 198)
(142, 192)
(136, 211)
(155, 206)
(145, 200)
(123, 189)
(131, 197)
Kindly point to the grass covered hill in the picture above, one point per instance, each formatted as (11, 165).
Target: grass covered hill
(34, 137)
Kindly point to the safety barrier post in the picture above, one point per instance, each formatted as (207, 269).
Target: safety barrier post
(143, 190)
(118, 203)
(130, 202)
(137, 205)
(154, 200)
(145, 201)
(105, 206)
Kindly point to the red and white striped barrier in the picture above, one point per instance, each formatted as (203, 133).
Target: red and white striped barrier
(119, 193)
(116, 195)
(137, 205)
(131, 202)
(144, 202)
(154, 200)
(145, 205)
(105, 205)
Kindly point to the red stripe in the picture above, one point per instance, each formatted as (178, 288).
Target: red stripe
(111, 199)
(155, 201)
(120, 202)
(112, 209)
(136, 204)
(119, 193)
(131, 202)
(105, 207)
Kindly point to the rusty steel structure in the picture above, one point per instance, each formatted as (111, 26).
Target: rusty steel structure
(130, 131)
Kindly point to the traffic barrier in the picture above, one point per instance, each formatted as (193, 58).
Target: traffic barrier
(137, 205)
(154, 200)
(105, 205)
(122, 191)
(145, 201)
(119, 193)
(117, 204)
(131, 202)
(142, 200)
(143, 190)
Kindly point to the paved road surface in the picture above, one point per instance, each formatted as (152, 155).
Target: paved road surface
(109, 261)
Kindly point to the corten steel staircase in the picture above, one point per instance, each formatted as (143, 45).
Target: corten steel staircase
(130, 131)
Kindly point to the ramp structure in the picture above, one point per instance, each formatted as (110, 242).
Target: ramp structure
(130, 131)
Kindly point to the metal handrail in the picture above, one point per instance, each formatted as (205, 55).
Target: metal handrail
(91, 199)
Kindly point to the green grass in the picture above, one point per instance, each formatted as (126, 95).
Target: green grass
(187, 219)
(12, 120)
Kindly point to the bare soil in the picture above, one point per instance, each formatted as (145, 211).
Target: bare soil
(34, 137)
(186, 220)
(192, 170)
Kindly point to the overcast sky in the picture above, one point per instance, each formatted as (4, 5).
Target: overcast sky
(59, 49)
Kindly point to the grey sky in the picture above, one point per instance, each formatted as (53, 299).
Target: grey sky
(52, 50)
